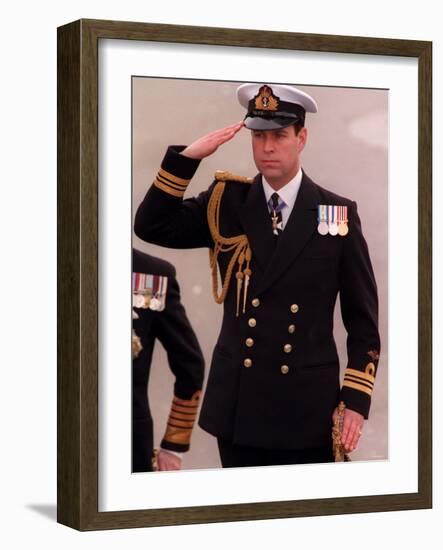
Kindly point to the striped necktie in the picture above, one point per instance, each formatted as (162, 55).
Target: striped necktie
(275, 208)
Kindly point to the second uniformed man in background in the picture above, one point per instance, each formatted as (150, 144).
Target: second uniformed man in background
(285, 249)
(158, 314)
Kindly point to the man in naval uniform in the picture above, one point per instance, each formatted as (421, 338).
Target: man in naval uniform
(285, 248)
(159, 314)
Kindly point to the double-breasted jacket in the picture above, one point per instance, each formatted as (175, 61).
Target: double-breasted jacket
(274, 378)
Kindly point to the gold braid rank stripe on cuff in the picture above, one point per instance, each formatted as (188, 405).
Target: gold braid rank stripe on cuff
(171, 184)
(361, 381)
(181, 419)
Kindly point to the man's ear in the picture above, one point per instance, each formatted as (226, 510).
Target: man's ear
(302, 138)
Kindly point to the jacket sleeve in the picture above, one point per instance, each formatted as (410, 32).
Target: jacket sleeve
(163, 217)
(185, 358)
(359, 308)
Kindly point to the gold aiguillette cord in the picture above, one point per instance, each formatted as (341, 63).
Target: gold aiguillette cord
(239, 275)
(238, 244)
(248, 274)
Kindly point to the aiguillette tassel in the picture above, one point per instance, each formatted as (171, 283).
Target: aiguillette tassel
(247, 272)
(239, 276)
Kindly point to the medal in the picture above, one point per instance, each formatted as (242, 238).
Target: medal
(322, 218)
(276, 225)
(149, 291)
(332, 215)
(343, 228)
(154, 304)
(138, 300)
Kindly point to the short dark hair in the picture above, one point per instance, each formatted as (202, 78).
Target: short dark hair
(297, 128)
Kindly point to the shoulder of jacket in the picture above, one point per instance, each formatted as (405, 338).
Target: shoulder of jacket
(330, 197)
(224, 175)
(152, 265)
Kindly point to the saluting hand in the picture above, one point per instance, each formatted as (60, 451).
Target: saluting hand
(206, 145)
(352, 429)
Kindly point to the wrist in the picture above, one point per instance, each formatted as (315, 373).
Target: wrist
(187, 152)
(175, 453)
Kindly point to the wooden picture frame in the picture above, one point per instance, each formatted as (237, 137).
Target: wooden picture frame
(78, 244)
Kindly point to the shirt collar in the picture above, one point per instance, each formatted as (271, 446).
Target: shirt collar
(288, 193)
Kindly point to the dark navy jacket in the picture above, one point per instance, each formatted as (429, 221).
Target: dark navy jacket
(284, 396)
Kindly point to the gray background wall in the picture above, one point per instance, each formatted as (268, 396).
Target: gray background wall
(347, 152)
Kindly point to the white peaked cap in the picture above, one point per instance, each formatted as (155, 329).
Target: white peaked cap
(272, 106)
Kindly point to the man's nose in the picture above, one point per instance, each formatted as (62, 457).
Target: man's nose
(268, 143)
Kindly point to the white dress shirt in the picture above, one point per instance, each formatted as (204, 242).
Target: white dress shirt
(288, 195)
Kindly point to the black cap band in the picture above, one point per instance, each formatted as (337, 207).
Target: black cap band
(285, 110)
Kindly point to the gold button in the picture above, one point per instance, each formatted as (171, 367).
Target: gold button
(249, 342)
(247, 363)
(287, 348)
(255, 302)
(252, 322)
(291, 329)
(294, 308)
(284, 369)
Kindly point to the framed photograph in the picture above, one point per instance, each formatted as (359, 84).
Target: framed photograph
(128, 91)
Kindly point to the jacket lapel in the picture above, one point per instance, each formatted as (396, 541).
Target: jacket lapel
(300, 226)
(256, 222)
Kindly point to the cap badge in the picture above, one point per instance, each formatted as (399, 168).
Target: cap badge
(265, 100)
